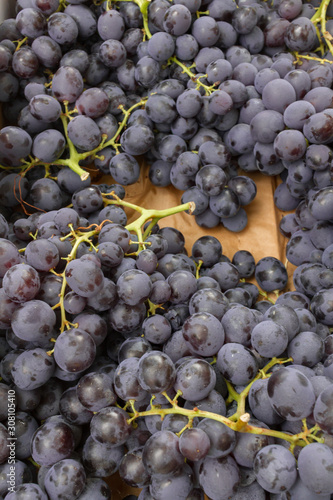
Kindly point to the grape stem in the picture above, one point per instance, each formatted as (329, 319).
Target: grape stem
(73, 162)
(209, 89)
(320, 17)
(238, 422)
(81, 235)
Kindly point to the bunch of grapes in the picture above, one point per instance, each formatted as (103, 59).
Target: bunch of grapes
(195, 93)
(185, 372)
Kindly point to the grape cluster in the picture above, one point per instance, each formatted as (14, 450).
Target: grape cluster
(120, 350)
(206, 97)
(127, 355)
(91, 85)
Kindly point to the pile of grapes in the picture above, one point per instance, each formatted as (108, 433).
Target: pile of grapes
(124, 354)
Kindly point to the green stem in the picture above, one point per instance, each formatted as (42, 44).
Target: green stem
(241, 425)
(208, 88)
(143, 4)
(320, 17)
(78, 240)
(241, 398)
(158, 214)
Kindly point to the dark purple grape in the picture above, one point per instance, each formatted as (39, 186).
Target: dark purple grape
(74, 350)
(31, 23)
(271, 274)
(109, 426)
(162, 463)
(67, 84)
(52, 442)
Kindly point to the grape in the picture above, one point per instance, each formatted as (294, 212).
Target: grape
(62, 28)
(133, 347)
(93, 324)
(269, 339)
(167, 462)
(32, 369)
(320, 203)
(156, 329)
(237, 363)
(53, 441)
(84, 277)
(300, 491)
(46, 195)
(222, 439)
(161, 46)
(283, 65)
(275, 468)
(137, 140)
(182, 285)
(285, 316)
(25, 63)
(323, 410)
(42, 254)
(203, 333)
(77, 58)
(74, 350)
(236, 90)
(84, 133)
(100, 459)
(300, 35)
(238, 324)
(109, 426)
(92, 102)
(134, 287)
(64, 479)
(271, 274)
(9, 87)
(47, 50)
(112, 53)
(84, 18)
(132, 471)
(67, 84)
(239, 139)
(226, 274)
(152, 380)
(281, 384)
(250, 109)
(72, 410)
(126, 380)
(124, 318)
(10, 136)
(27, 491)
(5, 57)
(49, 145)
(319, 480)
(244, 20)
(307, 321)
(94, 391)
(31, 23)
(219, 477)
(244, 262)
(209, 301)
(21, 283)
(96, 487)
(147, 71)
(111, 25)
(195, 378)
(225, 204)
(253, 41)
(180, 484)
(177, 20)
(266, 125)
